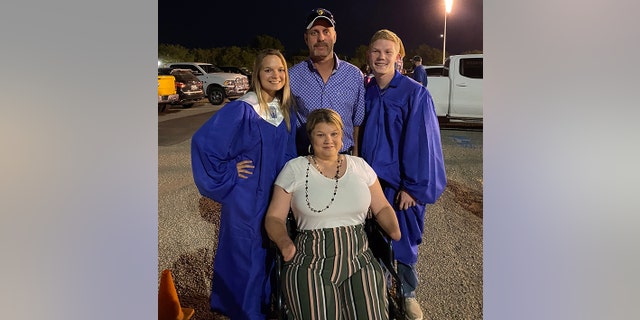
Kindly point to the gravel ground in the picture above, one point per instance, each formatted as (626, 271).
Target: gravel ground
(450, 266)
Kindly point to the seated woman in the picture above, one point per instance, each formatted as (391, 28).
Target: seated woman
(330, 272)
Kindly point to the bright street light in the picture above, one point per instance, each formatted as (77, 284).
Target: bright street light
(447, 9)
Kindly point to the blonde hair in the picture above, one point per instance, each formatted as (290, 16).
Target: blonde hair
(385, 34)
(326, 116)
(284, 94)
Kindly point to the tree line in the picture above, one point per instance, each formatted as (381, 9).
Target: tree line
(244, 56)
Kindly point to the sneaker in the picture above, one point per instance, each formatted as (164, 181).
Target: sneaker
(412, 308)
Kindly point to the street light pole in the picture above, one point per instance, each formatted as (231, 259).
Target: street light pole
(447, 9)
(444, 37)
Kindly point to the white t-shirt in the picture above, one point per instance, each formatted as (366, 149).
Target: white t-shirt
(351, 202)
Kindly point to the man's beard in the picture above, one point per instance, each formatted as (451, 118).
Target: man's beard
(320, 48)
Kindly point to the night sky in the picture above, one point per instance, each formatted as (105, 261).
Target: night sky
(222, 23)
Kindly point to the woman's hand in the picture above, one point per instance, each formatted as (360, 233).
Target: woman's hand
(244, 167)
(404, 200)
(288, 252)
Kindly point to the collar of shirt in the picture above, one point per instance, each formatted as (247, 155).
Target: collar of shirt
(273, 115)
(395, 81)
(312, 67)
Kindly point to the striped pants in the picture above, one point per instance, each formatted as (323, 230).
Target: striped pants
(333, 275)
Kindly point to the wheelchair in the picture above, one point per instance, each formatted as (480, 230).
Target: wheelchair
(381, 247)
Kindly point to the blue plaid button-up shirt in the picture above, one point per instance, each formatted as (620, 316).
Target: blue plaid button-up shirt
(343, 93)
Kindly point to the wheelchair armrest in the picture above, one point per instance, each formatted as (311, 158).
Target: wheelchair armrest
(379, 241)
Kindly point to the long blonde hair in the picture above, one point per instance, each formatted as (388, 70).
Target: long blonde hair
(284, 94)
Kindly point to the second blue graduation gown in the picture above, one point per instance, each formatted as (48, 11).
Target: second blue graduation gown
(401, 142)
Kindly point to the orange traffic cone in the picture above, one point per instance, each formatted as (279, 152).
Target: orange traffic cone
(168, 303)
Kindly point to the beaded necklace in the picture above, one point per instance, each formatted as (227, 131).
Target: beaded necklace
(306, 185)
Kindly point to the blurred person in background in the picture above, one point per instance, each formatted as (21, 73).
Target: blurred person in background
(419, 71)
(367, 73)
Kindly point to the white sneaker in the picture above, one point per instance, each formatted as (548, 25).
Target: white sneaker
(412, 308)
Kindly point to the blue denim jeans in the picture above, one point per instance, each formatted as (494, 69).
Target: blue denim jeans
(409, 279)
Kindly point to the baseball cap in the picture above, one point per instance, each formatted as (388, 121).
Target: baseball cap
(320, 13)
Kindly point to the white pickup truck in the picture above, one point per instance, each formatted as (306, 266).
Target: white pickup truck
(457, 93)
(217, 84)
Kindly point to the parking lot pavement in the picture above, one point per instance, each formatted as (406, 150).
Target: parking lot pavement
(450, 259)
(176, 111)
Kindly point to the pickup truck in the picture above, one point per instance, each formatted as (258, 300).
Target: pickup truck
(457, 93)
(217, 84)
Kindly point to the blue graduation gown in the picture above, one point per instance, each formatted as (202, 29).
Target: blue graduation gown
(241, 284)
(401, 142)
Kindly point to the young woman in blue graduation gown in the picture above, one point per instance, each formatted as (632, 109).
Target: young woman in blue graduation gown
(236, 156)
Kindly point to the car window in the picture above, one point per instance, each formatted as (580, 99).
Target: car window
(232, 70)
(209, 68)
(186, 66)
(240, 70)
(434, 72)
(184, 75)
(471, 68)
